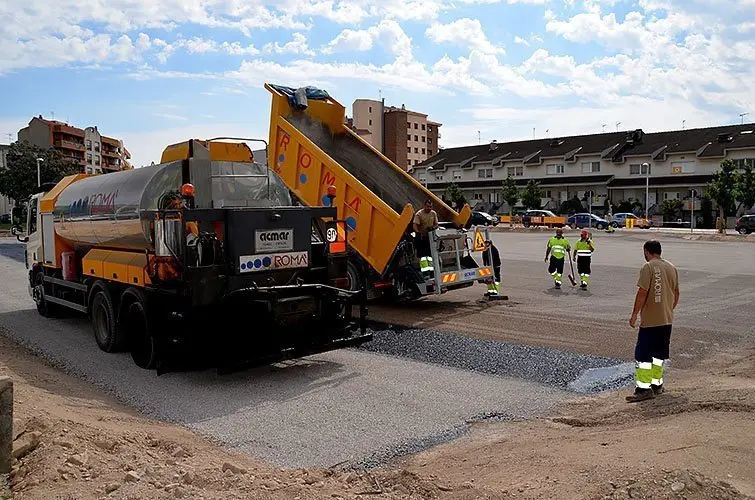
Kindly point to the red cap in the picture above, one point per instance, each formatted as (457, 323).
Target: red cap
(584, 232)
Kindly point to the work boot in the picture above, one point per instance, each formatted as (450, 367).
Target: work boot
(657, 389)
(558, 285)
(640, 395)
(583, 286)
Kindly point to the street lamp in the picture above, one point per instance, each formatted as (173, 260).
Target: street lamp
(39, 175)
(646, 166)
(427, 175)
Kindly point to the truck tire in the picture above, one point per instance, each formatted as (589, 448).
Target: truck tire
(107, 335)
(134, 324)
(354, 276)
(44, 308)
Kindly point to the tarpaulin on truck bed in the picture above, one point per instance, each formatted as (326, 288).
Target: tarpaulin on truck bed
(298, 97)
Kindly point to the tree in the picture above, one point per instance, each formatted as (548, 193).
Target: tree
(744, 187)
(571, 206)
(455, 196)
(531, 196)
(706, 207)
(671, 208)
(19, 180)
(721, 190)
(510, 194)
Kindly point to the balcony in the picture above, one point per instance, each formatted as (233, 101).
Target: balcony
(64, 144)
(109, 153)
(67, 129)
(110, 142)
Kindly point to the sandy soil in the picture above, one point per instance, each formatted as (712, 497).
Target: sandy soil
(697, 441)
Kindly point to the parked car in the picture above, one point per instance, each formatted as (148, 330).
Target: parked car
(745, 224)
(586, 220)
(620, 220)
(482, 219)
(5, 219)
(535, 213)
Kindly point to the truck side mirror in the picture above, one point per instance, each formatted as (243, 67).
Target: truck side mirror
(16, 231)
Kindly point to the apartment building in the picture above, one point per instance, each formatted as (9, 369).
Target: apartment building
(610, 165)
(406, 137)
(94, 152)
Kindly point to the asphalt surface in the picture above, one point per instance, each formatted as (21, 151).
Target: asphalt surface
(459, 361)
(717, 287)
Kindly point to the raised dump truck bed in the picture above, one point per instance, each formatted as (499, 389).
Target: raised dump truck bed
(312, 149)
(317, 155)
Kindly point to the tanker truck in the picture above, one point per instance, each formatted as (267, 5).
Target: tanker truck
(202, 253)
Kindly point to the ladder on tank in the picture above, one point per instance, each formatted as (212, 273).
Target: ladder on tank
(453, 263)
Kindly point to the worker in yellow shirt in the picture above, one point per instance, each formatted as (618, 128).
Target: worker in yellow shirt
(583, 250)
(558, 248)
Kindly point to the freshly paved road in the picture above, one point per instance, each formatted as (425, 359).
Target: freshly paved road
(717, 286)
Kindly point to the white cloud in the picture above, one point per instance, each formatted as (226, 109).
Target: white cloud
(521, 41)
(296, 46)
(466, 32)
(387, 34)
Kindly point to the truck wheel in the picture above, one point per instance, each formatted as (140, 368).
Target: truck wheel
(44, 308)
(352, 274)
(133, 322)
(108, 337)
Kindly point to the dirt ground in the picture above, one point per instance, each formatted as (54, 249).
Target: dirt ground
(697, 441)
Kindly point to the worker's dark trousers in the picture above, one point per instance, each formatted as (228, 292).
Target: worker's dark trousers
(556, 269)
(650, 353)
(583, 268)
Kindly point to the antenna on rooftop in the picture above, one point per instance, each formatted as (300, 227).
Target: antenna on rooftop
(546, 132)
(617, 126)
(533, 132)
(684, 124)
(742, 116)
(479, 138)
(604, 127)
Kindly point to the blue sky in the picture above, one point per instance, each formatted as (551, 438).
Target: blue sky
(154, 72)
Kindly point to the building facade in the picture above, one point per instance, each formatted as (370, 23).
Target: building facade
(608, 166)
(94, 152)
(406, 137)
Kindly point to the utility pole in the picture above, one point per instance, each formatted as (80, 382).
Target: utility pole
(646, 166)
(479, 138)
(742, 117)
(604, 128)
(684, 124)
(617, 126)
(39, 172)
(533, 132)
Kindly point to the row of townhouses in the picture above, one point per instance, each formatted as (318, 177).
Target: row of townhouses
(610, 165)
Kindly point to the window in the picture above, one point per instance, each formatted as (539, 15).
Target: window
(89, 157)
(485, 173)
(370, 122)
(457, 175)
(555, 169)
(422, 177)
(515, 171)
(429, 128)
(429, 140)
(548, 194)
(416, 150)
(408, 150)
(89, 144)
(416, 138)
(423, 138)
(97, 145)
(740, 164)
(638, 169)
(423, 126)
(478, 196)
(33, 218)
(591, 167)
(438, 177)
(430, 152)
(682, 167)
(415, 126)
(423, 151)
(408, 137)
(672, 196)
(370, 108)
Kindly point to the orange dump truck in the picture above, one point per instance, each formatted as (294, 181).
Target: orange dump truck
(314, 153)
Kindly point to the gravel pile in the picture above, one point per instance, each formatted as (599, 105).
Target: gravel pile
(562, 369)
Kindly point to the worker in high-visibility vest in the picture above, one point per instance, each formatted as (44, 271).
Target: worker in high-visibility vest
(583, 250)
(494, 285)
(558, 248)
